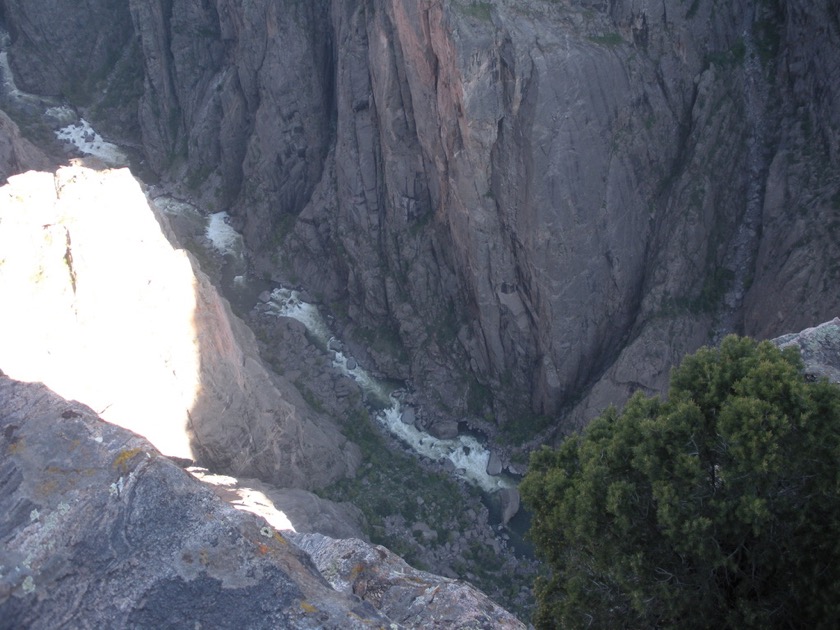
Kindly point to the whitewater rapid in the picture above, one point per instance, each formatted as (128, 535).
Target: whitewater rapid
(467, 455)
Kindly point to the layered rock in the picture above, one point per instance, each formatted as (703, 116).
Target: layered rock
(100, 307)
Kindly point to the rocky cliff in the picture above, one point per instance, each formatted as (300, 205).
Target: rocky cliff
(100, 307)
(542, 203)
(98, 529)
(17, 154)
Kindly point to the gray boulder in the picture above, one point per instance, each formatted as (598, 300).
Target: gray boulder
(819, 347)
(408, 416)
(509, 498)
(444, 429)
(494, 464)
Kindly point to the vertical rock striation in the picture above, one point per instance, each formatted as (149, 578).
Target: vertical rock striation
(543, 204)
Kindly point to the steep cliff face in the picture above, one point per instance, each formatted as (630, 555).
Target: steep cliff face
(17, 154)
(86, 53)
(544, 203)
(100, 307)
(568, 197)
(237, 101)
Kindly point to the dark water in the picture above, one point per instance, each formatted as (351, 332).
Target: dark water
(516, 529)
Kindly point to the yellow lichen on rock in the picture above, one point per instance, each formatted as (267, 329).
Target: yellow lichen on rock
(121, 461)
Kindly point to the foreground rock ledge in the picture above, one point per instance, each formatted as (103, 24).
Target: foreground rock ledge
(100, 530)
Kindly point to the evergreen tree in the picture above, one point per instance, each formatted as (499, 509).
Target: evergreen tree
(718, 507)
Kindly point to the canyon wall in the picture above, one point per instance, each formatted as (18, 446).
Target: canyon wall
(528, 208)
(99, 306)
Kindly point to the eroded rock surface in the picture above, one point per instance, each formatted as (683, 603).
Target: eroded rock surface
(819, 348)
(415, 599)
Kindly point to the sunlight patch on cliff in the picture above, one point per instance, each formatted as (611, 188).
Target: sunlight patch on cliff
(96, 302)
(244, 498)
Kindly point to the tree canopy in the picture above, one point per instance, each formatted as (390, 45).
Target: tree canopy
(719, 506)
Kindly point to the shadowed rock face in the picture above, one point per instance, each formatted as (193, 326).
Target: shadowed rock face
(99, 530)
(552, 201)
(17, 154)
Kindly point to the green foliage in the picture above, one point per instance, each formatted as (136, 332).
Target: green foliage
(718, 507)
(479, 10)
(609, 39)
(524, 428)
(734, 56)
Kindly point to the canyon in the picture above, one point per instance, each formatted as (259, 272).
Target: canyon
(543, 204)
(521, 211)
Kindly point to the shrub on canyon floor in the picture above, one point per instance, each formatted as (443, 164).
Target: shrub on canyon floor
(719, 506)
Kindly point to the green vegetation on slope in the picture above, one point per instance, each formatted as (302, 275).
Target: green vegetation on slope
(717, 507)
(390, 484)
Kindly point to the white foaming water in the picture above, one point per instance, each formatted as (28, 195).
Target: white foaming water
(222, 235)
(87, 141)
(465, 452)
(287, 303)
(370, 385)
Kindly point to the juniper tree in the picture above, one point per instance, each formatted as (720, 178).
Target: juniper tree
(717, 507)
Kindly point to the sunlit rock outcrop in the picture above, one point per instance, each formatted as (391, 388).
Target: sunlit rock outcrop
(98, 305)
(100, 530)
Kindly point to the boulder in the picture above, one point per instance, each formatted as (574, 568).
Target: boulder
(444, 429)
(509, 498)
(494, 464)
(819, 348)
(408, 416)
